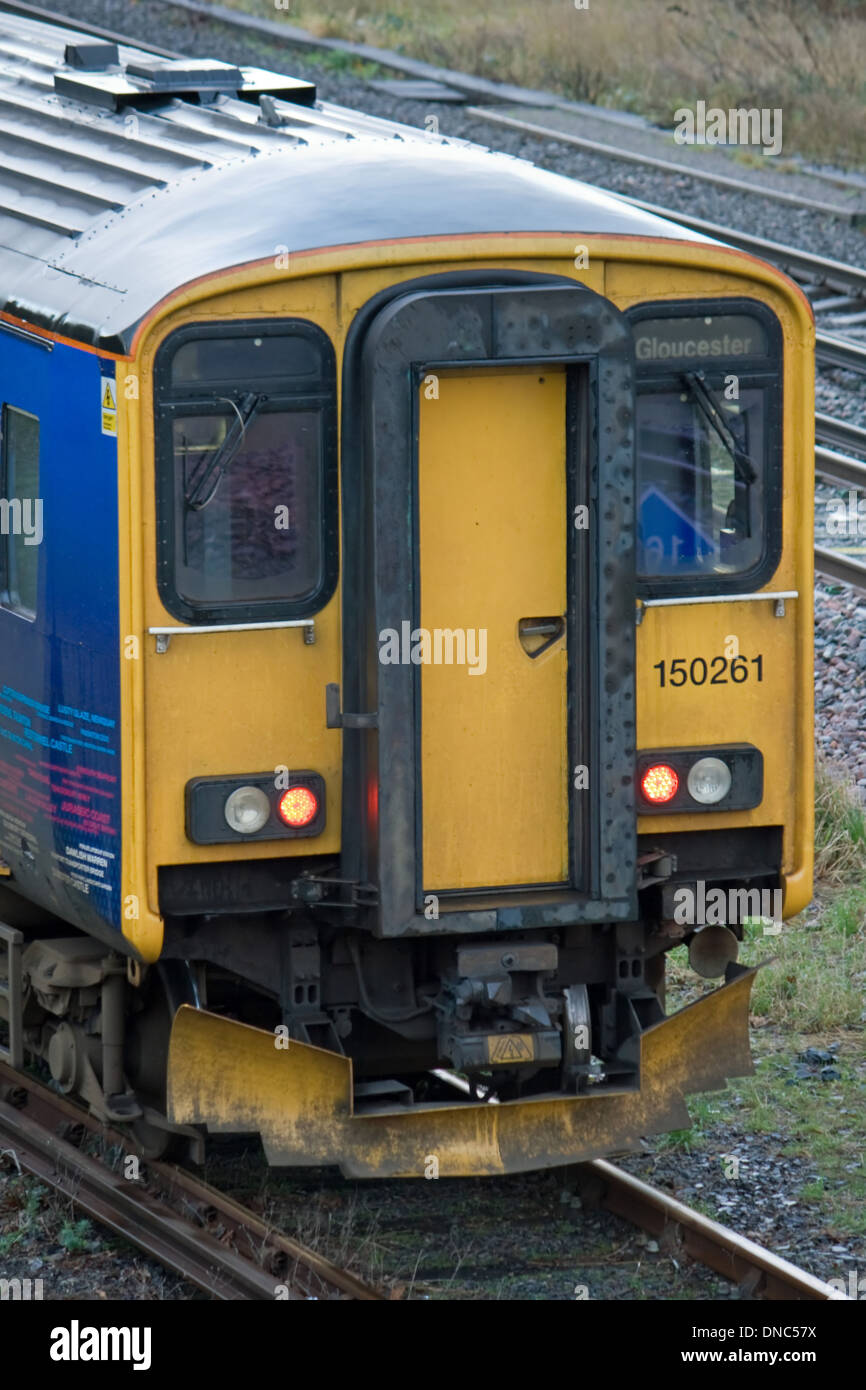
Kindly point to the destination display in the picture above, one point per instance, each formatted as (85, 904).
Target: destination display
(673, 339)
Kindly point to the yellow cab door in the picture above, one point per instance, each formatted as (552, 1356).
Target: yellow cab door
(492, 558)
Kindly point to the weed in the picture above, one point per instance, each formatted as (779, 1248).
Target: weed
(75, 1236)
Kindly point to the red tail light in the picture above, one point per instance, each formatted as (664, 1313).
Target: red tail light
(659, 783)
(298, 806)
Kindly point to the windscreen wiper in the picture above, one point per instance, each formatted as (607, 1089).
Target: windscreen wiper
(744, 470)
(246, 409)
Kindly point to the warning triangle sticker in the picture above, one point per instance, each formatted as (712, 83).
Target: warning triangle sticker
(108, 400)
(510, 1048)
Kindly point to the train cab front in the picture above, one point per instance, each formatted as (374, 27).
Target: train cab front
(475, 984)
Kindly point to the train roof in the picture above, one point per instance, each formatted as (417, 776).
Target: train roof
(125, 176)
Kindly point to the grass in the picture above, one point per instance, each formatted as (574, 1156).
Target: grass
(840, 828)
(23, 1201)
(806, 57)
(813, 994)
(76, 1236)
(828, 1121)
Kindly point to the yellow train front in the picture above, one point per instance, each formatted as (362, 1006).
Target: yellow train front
(462, 616)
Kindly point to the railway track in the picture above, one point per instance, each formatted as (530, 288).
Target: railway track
(757, 1272)
(230, 1253)
(467, 86)
(840, 470)
(226, 1250)
(666, 166)
(832, 286)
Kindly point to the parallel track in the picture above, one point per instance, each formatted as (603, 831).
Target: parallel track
(818, 275)
(834, 565)
(467, 85)
(664, 166)
(204, 1236)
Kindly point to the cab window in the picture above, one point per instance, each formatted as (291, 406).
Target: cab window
(708, 427)
(246, 471)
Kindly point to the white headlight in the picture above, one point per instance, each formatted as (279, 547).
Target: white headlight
(709, 780)
(247, 810)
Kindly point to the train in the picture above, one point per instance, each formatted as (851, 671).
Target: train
(405, 626)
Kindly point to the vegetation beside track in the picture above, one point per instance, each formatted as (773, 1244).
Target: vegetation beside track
(808, 1024)
(806, 57)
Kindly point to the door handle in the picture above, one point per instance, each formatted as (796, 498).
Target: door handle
(552, 628)
(335, 719)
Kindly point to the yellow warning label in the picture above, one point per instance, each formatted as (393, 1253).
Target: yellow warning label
(109, 422)
(109, 398)
(510, 1047)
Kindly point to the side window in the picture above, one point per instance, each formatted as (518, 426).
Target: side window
(20, 511)
(246, 471)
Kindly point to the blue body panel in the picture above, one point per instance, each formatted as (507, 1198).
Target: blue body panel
(60, 808)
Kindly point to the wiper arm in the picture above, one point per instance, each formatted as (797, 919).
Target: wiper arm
(744, 470)
(245, 410)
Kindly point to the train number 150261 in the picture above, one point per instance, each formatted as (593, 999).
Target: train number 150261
(719, 670)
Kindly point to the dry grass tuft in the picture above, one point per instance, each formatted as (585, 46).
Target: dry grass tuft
(840, 827)
(807, 57)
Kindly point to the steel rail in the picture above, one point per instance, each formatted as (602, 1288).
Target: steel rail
(829, 349)
(836, 274)
(840, 352)
(756, 1271)
(665, 166)
(843, 568)
(184, 1223)
(839, 432)
(838, 468)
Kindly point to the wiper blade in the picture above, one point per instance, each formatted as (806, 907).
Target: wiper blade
(744, 470)
(245, 410)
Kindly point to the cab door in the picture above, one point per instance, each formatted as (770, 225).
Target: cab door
(488, 731)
